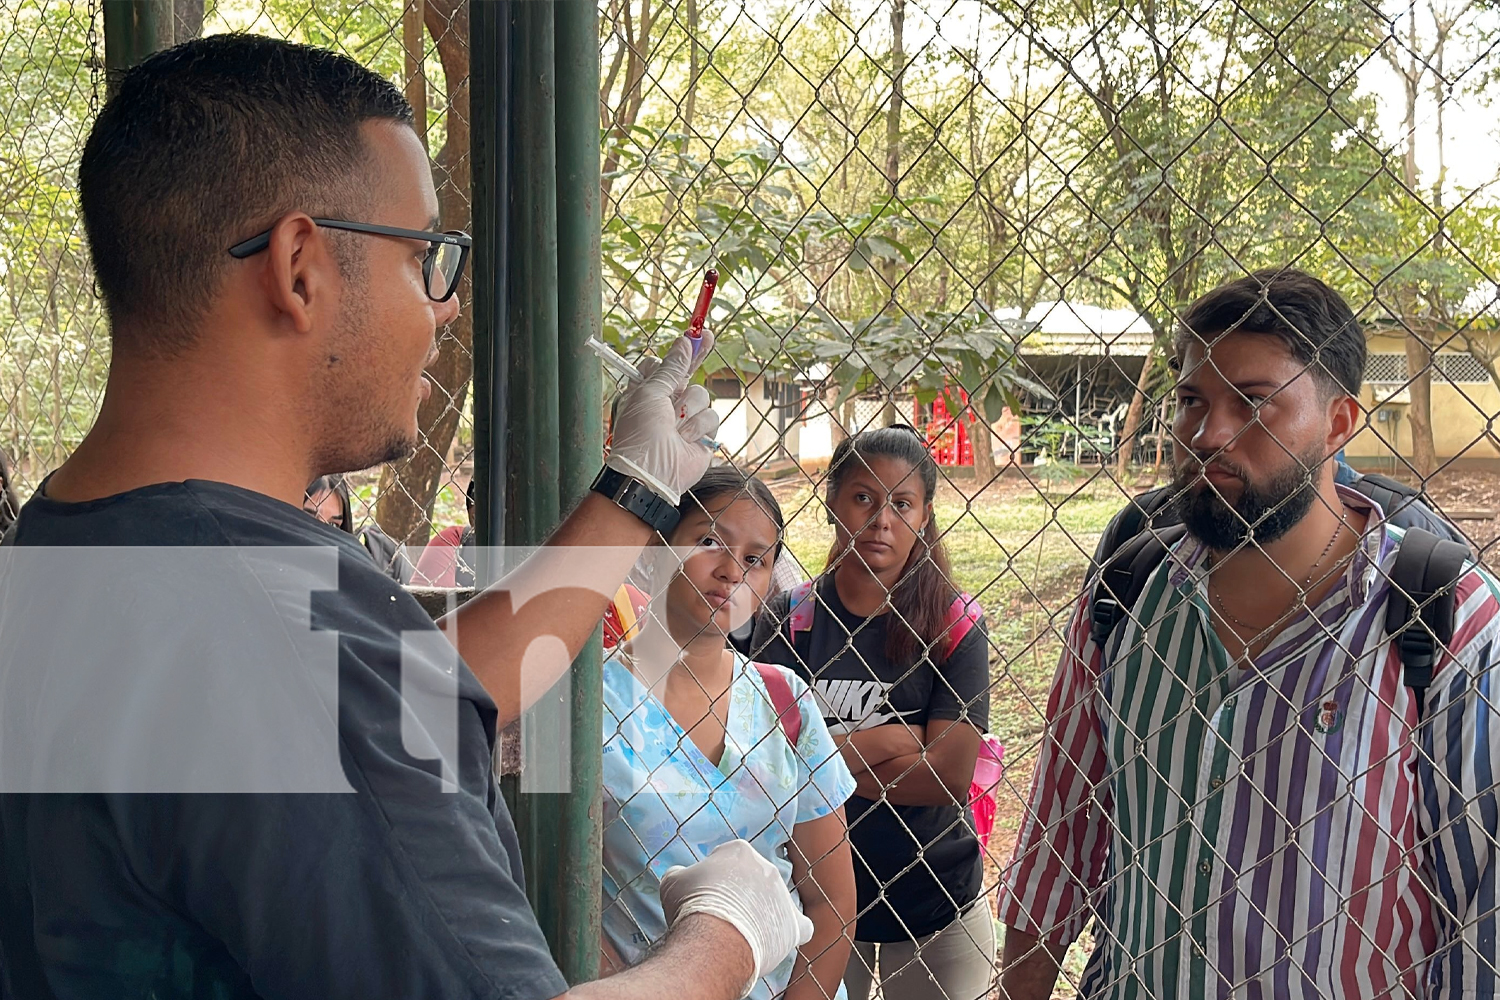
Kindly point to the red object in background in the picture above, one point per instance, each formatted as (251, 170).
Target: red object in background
(947, 438)
(623, 613)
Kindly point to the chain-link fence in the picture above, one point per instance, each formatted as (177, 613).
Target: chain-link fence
(54, 349)
(984, 220)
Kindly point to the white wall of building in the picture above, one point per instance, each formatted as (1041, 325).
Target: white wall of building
(749, 426)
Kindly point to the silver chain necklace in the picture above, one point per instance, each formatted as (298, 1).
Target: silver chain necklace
(1218, 597)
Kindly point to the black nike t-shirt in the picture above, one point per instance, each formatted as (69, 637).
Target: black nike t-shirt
(915, 867)
(408, 884)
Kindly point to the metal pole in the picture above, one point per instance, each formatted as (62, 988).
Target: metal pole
(489, 138)
(533, 486)
(131, 33)
(533, 476)
(578, 880)
(1078, 412)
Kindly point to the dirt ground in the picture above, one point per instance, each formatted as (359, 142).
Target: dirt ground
(1465, 496)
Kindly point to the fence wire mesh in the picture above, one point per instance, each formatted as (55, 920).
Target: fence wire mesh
(54, 349)
(986, 220)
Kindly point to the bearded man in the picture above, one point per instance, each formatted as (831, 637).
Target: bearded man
(1241, 786)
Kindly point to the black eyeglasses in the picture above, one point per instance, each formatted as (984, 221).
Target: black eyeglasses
(442, 267)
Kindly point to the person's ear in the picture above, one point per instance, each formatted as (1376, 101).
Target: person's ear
(300, 274)
(1345, 419)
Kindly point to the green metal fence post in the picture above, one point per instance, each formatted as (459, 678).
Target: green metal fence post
(537, 298)
(489, 150)
(131, 33)
(533, 477)
(581, 433)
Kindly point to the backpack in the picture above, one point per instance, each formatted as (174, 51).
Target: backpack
(783, 701)
(1425, 575)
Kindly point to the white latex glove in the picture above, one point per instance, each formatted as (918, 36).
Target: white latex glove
(740, 887)
(661, 421)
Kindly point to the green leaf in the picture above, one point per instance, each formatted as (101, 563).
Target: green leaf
(994, 403)
(889, 249)
(859, 260)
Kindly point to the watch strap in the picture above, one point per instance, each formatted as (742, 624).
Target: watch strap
(636, 497)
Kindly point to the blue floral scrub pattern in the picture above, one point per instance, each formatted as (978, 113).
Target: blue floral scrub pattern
(665, 803)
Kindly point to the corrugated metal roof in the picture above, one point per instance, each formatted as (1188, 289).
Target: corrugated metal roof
(1069, 328)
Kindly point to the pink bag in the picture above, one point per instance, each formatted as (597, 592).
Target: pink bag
(989, 768)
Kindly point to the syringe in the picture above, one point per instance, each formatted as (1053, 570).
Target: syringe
(632, 374)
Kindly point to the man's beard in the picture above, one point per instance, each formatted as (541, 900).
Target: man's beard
(1261, 514)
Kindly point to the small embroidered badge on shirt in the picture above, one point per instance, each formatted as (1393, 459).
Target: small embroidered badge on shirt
(1330, 718)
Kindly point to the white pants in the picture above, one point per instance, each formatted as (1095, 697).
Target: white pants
(955, 963)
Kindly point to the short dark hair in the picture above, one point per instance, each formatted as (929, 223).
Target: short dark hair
(205, 144)
(1311, 318)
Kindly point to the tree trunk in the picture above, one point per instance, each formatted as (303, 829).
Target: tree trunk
(840, 430)
(695, 68)
(1419, 413)
(187, 19)
(1126, 444)
(407, 488)
(1418, 354)
(846, 422)
(56, 450)
(414, 45)
(637, 41)
(982, 441)
(892, 271)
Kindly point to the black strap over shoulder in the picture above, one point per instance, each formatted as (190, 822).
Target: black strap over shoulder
(1123, 576)
(1150, 506)
(1424, 577)
(1390, 494)
(1406, 506)
(1422, 606)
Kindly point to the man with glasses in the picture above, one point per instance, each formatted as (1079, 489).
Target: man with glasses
(264, 230)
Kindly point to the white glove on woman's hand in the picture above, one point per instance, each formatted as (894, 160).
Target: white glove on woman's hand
(661, 421)
(740, 887)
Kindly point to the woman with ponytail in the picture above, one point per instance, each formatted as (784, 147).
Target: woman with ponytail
(899, 662)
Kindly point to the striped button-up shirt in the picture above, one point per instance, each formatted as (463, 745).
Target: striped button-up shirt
(1285, 829)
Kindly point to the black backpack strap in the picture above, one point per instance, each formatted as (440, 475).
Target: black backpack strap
(1147, 508)
(1422, 607)
(1123, 576)
(1406, 506)
(1390, 494)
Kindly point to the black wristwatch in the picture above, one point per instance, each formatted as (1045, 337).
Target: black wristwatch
(638, 498)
